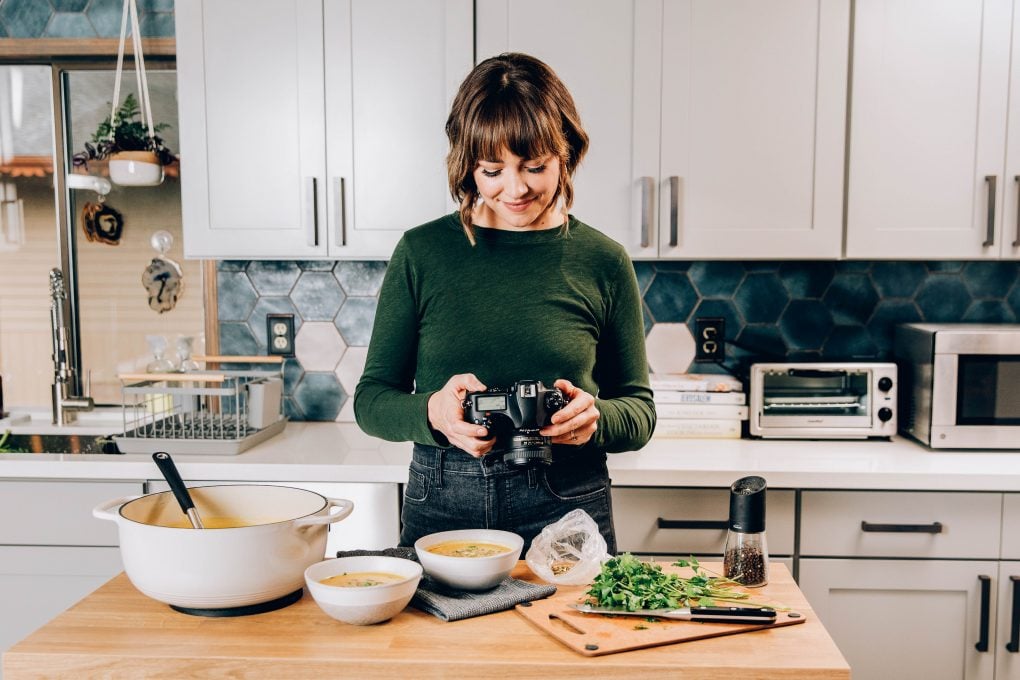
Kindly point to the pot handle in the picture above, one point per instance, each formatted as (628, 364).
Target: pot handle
(345, 506)
(105, 510)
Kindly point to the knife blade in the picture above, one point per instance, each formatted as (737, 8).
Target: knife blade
(762, 615)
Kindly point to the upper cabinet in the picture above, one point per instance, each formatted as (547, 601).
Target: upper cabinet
(315, 128)
(932, 170)
(717, 126)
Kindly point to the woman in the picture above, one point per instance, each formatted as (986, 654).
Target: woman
(509, 288)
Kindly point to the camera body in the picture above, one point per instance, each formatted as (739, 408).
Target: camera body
(514, 415)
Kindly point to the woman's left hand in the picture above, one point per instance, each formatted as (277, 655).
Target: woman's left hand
(576, 423)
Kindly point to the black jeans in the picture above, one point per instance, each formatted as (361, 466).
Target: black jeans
(448, 489)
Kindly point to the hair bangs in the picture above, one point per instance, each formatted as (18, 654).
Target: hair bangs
(508, 122)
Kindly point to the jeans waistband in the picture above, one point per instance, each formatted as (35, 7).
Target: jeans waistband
(452, 458)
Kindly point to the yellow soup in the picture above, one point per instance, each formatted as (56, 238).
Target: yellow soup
(362, 579)
(216, 523)
(468, 549)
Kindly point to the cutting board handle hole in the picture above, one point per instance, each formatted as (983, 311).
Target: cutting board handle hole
(566, 625)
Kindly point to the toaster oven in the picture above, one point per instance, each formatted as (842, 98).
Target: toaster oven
(844, 400)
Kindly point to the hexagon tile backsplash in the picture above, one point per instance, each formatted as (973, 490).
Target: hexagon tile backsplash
(798, 311)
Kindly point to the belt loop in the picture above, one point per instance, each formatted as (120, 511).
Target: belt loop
(532, 477)
(440, 456)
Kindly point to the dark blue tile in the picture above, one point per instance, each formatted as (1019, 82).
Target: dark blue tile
(945, 267)
(71, 5)
(645, 272)
(155, 6)
(763, 265)
(805, 324)
(989, 311)
(292, 374)
(105, 17)
(273, 277)
(69, 25)
(1013, 299)
(989, 279)
(647, 317)
(670, 297)
(762, 342)
(270, 305)
(360, 278)
(235, 296)
(320, 396)
(25, 18)
(882, 325)
(231, 265)
(718, 308)
(851, 298)
(156, 25)
(898, 279)
(236, 338)
(850, 343)
(716, 278)
(355, 320)
(852, 266)
(292, 410)
(761, 298)
(672, 266)
(3, 30)
(806, 279)
(806, 356)
(943, 298)
(317, 296)
(316, 265)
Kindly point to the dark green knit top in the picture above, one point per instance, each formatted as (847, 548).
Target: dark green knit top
(519, 305)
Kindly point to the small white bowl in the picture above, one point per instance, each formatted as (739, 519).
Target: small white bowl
(368, 604)
(470, 573)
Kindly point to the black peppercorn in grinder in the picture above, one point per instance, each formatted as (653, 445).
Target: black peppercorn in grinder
(745, 557)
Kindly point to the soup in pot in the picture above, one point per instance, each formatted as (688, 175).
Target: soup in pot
(468, 549)
(217, 523)
(362, 579)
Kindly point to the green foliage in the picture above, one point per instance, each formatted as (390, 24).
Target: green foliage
(124, 133)
(4, 448)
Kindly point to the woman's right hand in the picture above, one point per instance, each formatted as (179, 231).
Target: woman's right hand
(446, 414)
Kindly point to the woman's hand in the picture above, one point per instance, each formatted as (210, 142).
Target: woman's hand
(446, 414)
(574, 424)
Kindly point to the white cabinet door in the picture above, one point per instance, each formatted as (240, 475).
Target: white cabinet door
(905, 619)
(1011, 179)
(252, 118)
(1007, 638)
(607, 53)
(928, 129)
(753, 128)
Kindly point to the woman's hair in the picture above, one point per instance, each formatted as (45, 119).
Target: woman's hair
(514, 102)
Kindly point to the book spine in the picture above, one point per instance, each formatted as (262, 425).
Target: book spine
(697, 429)
(704, 411)
(668, 397)
(694, 385)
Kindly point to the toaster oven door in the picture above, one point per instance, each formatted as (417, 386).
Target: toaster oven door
(816, 398)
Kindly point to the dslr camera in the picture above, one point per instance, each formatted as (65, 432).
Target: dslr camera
(514, 415)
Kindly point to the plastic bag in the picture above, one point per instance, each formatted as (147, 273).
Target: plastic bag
(569, 551)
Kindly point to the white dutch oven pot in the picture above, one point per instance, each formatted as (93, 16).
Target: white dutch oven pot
(223, 568)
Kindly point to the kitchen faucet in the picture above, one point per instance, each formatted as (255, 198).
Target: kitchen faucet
(66, 404)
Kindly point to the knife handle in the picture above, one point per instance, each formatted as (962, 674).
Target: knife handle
(733, 614)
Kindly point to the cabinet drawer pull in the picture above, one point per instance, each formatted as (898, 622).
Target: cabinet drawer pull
(312, 206)
(990, 229)
(1014, 627)
(674, 211)
(340, 201)
(647, 208)
(693, 524)
(933, 528)
(986, 601)
(1016, 241)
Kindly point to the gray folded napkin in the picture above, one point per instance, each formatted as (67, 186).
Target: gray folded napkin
(447, 604)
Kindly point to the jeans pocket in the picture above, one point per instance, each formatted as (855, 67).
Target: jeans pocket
(576, 484)
(417, 488)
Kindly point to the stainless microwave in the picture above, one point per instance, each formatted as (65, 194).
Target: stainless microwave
(961, 384)
(835, 400)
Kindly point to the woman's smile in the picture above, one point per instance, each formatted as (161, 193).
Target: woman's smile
(517, 193)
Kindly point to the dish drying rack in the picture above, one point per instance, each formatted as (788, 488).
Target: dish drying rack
(218, 412)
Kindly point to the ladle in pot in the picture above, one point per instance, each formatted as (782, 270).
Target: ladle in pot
(166, 465)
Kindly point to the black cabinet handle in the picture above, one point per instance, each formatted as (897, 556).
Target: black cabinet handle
(933, 528)
(990, 230)
(1014, 627)
(693, 524)
(986, 600)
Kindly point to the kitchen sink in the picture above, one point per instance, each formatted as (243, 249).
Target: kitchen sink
(57, 443)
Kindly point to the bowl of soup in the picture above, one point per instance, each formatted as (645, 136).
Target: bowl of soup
(469, 559)
(363, 590)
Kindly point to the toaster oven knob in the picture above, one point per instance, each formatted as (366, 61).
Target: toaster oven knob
(885, 384)
(885, 414)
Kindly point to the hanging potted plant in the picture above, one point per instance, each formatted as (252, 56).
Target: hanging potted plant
(137, 154)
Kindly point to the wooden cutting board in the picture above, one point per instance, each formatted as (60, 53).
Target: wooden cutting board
(597, 634)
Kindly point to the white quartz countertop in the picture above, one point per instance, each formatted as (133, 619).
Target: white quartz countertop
(340, 452)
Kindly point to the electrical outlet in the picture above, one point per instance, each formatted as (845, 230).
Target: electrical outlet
(709, 339)
(280, 334)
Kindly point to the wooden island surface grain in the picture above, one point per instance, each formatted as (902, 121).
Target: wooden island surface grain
(118, 632)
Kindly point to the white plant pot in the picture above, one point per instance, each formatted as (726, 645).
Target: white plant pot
(135, 169)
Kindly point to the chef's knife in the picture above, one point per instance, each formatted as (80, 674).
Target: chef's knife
(761, 615)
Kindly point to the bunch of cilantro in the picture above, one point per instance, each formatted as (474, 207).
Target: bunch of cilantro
(626, 583)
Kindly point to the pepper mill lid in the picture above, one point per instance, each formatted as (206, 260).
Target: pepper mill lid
(747, 505)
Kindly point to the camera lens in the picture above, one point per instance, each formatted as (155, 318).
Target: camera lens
(525, 449)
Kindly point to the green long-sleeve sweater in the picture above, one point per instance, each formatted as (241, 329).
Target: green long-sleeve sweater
(531, 305)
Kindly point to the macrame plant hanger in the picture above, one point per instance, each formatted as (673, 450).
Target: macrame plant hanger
(133, 168)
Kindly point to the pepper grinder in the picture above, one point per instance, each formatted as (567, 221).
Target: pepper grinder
(746, 557)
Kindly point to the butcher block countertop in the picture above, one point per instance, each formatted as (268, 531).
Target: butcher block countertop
(118, 632)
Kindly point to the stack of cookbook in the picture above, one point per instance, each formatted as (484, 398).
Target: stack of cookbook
(698, 405)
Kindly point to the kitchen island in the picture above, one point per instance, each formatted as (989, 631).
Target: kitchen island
(117, 631)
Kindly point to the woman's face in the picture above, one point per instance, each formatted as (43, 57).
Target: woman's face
(517, 193)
